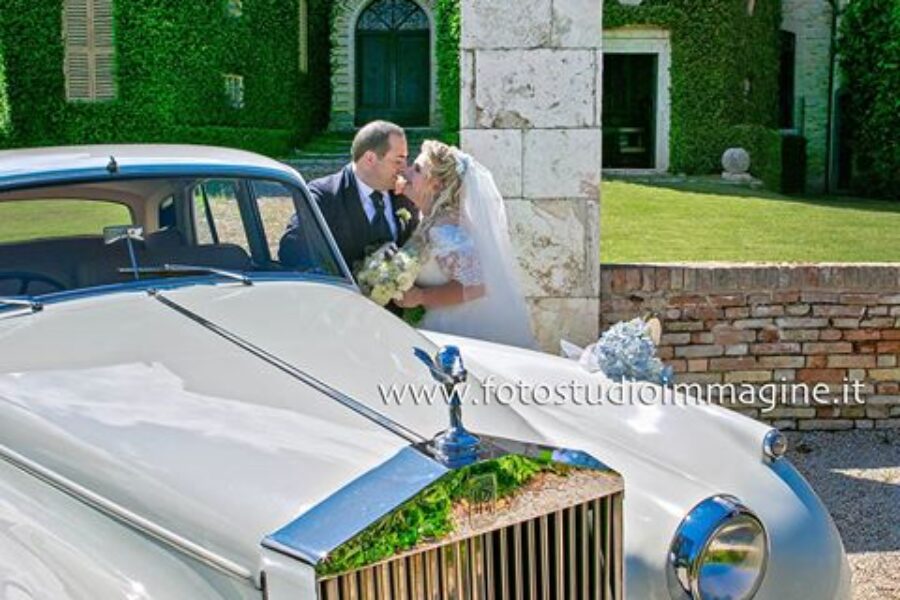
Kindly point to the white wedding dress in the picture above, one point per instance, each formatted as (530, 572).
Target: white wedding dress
(473, 248)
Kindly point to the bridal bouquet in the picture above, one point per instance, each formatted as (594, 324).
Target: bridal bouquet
(626, 351)
(388, 272)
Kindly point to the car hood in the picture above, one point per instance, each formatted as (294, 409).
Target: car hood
(141, 404)
(165, 416)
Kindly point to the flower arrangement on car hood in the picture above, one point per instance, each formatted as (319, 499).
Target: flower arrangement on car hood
(625, 352)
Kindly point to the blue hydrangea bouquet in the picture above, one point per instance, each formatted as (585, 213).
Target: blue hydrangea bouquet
(625, 352)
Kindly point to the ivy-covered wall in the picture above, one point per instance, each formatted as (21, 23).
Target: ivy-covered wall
(717, 50)
(170, 59)
(4, 101)
(724, 78)
(869, 49)
(448, 23)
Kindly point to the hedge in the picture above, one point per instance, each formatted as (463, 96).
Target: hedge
(170, 59)
(716, 49)
(869, 46)
(764, 146)
(448, 23)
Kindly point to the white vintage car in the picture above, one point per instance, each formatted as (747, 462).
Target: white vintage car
(184, 416)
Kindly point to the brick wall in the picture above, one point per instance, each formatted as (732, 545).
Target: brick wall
(756, 325)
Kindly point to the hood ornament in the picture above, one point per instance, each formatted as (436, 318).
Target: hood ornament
(456, 447)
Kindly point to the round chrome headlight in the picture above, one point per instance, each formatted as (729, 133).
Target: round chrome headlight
(719, 551)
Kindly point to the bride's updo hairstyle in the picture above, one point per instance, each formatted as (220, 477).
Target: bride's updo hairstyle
(443, 167)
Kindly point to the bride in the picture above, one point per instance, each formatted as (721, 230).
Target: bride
(468, 282)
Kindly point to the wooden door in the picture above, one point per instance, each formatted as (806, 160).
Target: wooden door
(393, 64)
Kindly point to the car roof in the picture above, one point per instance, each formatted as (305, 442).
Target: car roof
(40, 165)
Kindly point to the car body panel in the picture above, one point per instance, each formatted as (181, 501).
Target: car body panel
(175, 424)
(674, 457)
(44, 166)
(192, 407)
(53, 546)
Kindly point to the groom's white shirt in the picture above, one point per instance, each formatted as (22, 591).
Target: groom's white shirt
(365, 193)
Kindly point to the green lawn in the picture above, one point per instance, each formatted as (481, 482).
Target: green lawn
(711, 222)
(56, 218)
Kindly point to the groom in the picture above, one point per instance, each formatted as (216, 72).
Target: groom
(358, 202)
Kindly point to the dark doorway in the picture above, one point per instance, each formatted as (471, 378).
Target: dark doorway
(393, 63)
(786, 80)
(843, 145)
(629, 110)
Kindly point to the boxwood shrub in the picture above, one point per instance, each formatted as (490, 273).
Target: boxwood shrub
(869, 47)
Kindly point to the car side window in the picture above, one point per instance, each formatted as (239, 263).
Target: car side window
(217, 213)
(166, 215)
(276, 207)
(294, 239)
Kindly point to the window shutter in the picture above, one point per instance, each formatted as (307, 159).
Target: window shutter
(303, 56)
(78, 78)
(77, 59)
(89, 61)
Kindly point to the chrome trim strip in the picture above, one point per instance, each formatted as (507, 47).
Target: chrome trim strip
(171, 283)
(127, 517)
(354, 507)
(298, 374)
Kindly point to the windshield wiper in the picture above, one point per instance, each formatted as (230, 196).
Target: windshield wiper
(169, 268)
(28, 301)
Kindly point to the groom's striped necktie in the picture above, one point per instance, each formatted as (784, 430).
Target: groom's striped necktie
(381, 231)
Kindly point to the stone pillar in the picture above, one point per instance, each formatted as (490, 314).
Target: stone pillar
(810, 21)
(531, 95)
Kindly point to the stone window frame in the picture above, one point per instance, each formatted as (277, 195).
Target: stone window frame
(303, 35)
(88, 30)
(343, 82)
(629, 40)
(234, 90)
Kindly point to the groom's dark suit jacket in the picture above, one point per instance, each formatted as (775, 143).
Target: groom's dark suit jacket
(338, 198)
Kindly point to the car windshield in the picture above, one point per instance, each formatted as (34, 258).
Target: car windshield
(90, 234)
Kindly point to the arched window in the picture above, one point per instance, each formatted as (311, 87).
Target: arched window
(393, 63)
(89, 56)
(393, 15)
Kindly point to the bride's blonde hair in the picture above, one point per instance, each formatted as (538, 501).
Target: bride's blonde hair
(443, 166)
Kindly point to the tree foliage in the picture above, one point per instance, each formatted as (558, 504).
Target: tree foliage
(448, 38)
(869, 47)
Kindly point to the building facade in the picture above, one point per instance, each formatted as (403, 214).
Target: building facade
(680, 83)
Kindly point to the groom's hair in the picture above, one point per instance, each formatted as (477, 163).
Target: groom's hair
(374, 136)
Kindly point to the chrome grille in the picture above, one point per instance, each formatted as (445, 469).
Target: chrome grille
(570, 554)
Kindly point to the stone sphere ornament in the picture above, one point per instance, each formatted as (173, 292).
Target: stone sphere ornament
(736, 161)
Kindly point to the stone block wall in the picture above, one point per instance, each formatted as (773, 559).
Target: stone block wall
(531, 95)
(764, 325)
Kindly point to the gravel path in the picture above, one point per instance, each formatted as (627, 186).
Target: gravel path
(857, 475)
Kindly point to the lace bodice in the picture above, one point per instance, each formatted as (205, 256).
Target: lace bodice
(451, 257)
